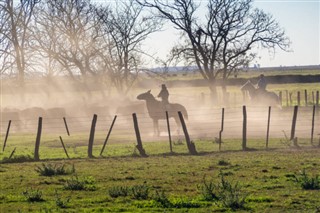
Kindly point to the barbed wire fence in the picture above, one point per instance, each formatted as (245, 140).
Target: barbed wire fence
(216, 125)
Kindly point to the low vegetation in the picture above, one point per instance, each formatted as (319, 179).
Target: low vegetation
(255, 181)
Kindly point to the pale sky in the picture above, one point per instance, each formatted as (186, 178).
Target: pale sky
(300, 20)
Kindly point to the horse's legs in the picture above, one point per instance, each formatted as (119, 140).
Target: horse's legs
(156, 131)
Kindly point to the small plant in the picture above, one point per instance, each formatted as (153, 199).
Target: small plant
(60, 202)
(308, 183)
(162, 199)
(33, 195)
(88, 184)
(52, 170)
(119, 191)
(231, 195)
(208, 190)
(223, 163)
(140, 192)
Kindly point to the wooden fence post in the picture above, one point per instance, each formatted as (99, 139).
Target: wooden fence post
(287, 98)
(64, 148)
(294, 121)
(317, 98)
(298, 98)
(244, 128)
(109, 132)
(221, 130)
(190, 145)
(7, 135)
(306, 97)
(290, 98)
(37, 145)
(66, 125)
(139, 142)
(91, 137)
(169, 132)
(268, 127)
(312, 123)
(280, 97)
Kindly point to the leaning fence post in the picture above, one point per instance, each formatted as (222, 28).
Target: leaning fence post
(268, 127)
(298, 98)
(244, 128)
(91, 137)
(221, 130)
(312, 123)
(190, 145)
(139, 142)
(109, 132)
(37, 145)
(64, 148)
(66, 125)
(294, 121)
(169, 132)
(7, 134)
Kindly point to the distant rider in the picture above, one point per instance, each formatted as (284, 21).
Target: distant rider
(262, 83)
(164, 95)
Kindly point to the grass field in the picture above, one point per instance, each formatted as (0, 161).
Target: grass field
(163, 182)
(283, 178)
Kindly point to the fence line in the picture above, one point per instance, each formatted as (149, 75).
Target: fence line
(251, 122)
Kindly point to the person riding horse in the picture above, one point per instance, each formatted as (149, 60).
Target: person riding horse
(164, 95)
(262, 83)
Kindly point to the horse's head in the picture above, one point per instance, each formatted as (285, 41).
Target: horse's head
(247, 86)
(145, 96)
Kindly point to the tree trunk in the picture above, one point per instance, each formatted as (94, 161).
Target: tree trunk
(213, 92)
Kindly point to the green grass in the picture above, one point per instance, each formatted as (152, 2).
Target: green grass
(171, 181)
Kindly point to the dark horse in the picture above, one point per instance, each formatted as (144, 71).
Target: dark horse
(261, 97)
(156, 110)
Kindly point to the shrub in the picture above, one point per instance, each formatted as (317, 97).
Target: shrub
(140, 192)
(308, 183)
(52, 170)
(33, 195)
(119, 191)
(77, 184)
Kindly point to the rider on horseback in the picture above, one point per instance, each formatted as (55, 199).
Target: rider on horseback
(164, 95)
(262, 83)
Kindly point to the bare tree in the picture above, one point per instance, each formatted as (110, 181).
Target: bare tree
(14, 32)
(221, 41)
(126, 26)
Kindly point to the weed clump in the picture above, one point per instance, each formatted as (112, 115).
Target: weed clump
(228, 194)
(52, 170)
(33, 195)
(77, 184)
(119, 191)
(306, 182)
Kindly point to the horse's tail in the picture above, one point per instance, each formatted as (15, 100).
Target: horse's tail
(184, 112)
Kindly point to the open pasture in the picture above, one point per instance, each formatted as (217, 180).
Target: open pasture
(268, 178)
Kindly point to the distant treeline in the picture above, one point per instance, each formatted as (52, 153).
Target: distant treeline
(277, 79)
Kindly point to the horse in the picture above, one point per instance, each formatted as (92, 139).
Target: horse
(156, 110)
(261, 97)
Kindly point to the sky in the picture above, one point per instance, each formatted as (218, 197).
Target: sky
(300, 20)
